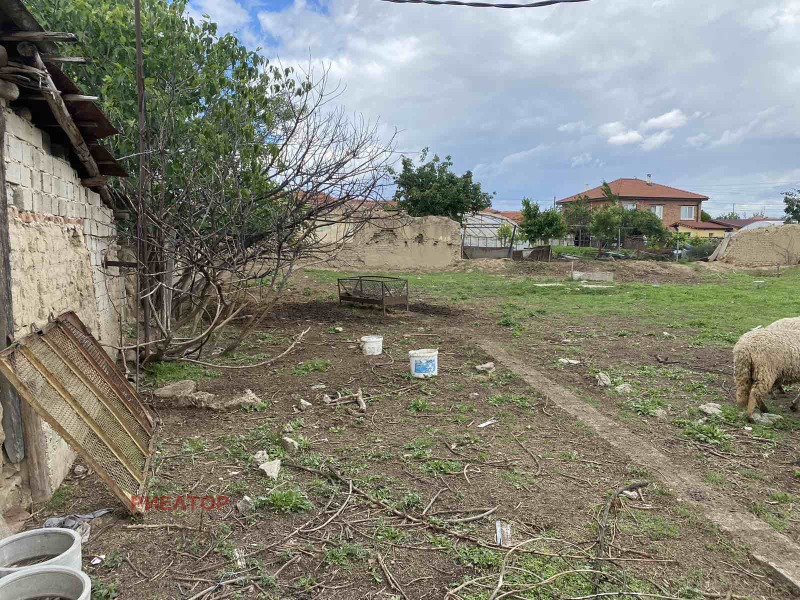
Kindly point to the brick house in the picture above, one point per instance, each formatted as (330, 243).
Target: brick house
(671, 205)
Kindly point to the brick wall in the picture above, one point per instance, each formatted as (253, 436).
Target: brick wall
(59, 232)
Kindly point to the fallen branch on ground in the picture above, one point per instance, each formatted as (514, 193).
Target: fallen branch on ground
(261, 364)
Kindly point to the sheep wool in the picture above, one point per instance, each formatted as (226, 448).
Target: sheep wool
(762, 358)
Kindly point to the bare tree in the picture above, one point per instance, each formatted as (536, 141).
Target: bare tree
(230, 236)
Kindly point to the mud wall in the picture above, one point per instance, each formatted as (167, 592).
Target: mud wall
(60, 232)
(403, 243)
(763, 247)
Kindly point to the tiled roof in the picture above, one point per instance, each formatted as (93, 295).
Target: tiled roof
(739, 223)
(637, 188)
(702, 225)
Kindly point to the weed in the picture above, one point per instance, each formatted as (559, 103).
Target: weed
(418, 405)
(714, 478)
(410, 501)
(504, 399)
(311, 366)
(705, 432)
(342, 555)
(102, 590)
(442, 467)
(479, 557)
(193, 445)
(60, 497)
(385, 533)
(285, 501)
(647, 407)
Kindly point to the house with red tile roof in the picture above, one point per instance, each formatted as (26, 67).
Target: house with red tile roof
(671, 205)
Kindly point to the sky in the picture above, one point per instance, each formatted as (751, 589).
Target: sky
(542, 102)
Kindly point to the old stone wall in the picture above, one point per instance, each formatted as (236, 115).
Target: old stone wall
(762, 247)
(60, 232)
(402, 243)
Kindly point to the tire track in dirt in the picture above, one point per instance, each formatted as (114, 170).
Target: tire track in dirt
(768, 547)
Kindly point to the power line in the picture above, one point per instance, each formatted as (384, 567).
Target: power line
(484, 4)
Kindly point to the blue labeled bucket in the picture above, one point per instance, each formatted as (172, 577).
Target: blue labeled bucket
(424, 363)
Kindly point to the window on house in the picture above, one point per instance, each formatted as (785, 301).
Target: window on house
(629, 205)
(688, 213)
(658, 210)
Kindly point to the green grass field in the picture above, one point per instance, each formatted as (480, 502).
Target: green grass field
(719, 310)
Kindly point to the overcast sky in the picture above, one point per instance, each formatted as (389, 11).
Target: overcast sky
(541, 102)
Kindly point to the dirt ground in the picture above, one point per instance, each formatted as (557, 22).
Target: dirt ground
(403, 500)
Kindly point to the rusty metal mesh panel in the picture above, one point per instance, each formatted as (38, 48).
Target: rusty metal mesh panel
(59, 372)
(75, 328)
(108, 393)
(59, 411)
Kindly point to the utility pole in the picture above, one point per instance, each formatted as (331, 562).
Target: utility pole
(143, 281)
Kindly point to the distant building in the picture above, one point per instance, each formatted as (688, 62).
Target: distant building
(672, 205)
(710, 229)
(747, 224)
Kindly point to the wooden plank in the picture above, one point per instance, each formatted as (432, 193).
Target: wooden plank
(14, 443)
(38, 36)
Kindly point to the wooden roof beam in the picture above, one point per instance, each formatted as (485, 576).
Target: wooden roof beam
(38, 36)
(60, 112)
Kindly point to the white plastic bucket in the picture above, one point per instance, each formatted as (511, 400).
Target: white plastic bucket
(372, 345)
(46, 582)
(424, 363)
(52, 546)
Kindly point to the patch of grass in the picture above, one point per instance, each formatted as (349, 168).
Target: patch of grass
(343, 554)
(285, 501)
(311, 366)
(442, 467)
(479, 557)
(410, 501)
(103, 590)
(714, 478)
(505, 399)
(193, 445)
(705, 432)
(60, 497)
(653, 526)
(418, 405)
(647, 407)
(163, 372)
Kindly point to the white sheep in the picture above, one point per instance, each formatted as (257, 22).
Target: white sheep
(762, 358)
(792, 324)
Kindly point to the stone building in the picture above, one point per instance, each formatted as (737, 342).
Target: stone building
(56, 232)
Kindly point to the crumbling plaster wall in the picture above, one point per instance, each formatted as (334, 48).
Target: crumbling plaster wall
(763, 247)
(402, 243)
(60, 232)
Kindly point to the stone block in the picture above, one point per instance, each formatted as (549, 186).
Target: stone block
(13, 172)
(23, 198)
(25, 176)
(47, 183)
(14, 148)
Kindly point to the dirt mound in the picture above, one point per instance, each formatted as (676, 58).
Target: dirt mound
(765, 246)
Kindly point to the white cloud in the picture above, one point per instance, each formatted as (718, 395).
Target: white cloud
(612, 129)
(656, 141)
(574, 126)
(698, 141)
(581, 160)
(228, 14)
(625, 138)
(671, 120)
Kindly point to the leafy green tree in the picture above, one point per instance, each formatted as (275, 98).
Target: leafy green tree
(431, 188)
(504, 233)
(791, 203)
(614, 222)
(731, 216)
(538, 224)
(704, 216)
(608, 194)
(578, 213)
